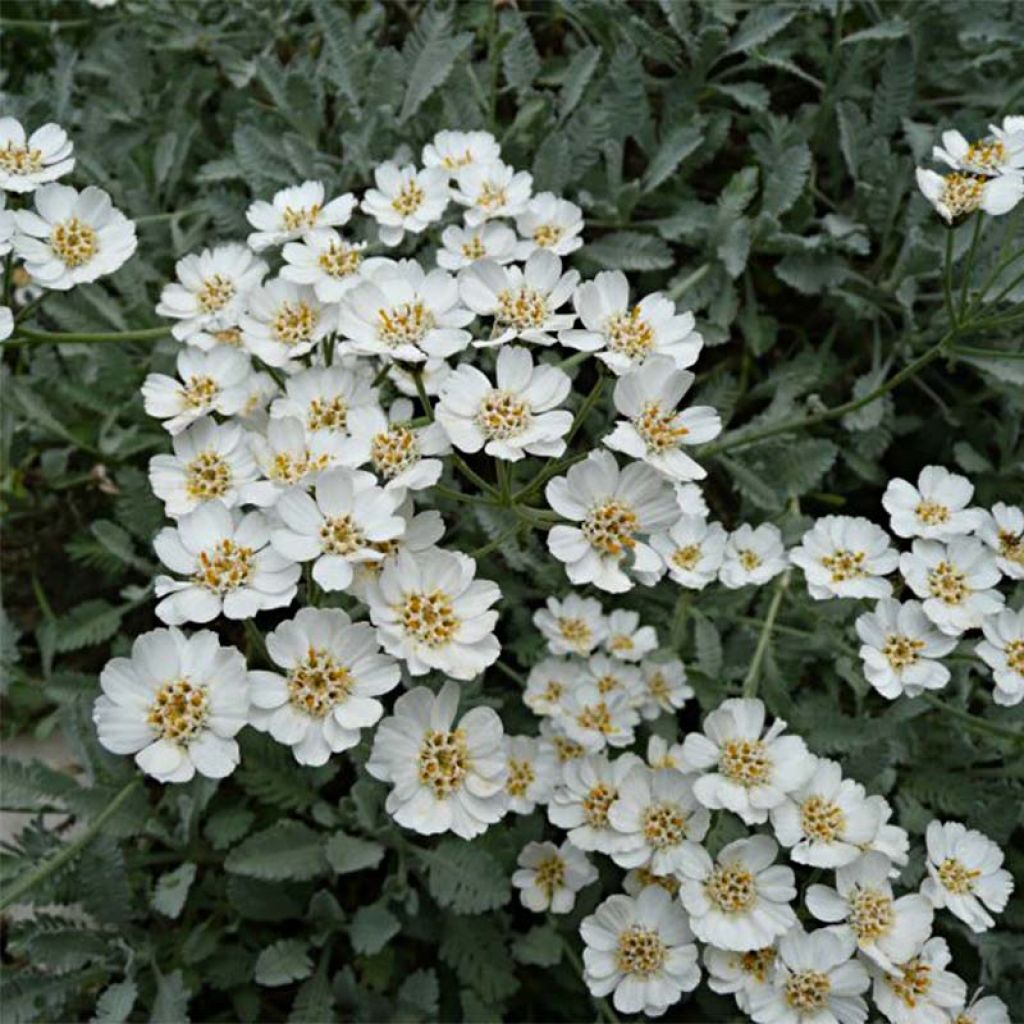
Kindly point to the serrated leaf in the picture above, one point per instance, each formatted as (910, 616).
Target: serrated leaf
(894, 28)
(474, 949)
(629, 250)
(371, 929)
(89, 624)
(759, 26)
(577, 77)
(349, 853)
(283, 962)
(466, 878)
(520, 60)
(172, 890)
(228, 826)
(286, 850)
(171, 1003)
(894, 94)
(437, 52)
(116, 1002)
(750, 95)
(675, 147)
(418, 996)
(540, 946)
(708, 643)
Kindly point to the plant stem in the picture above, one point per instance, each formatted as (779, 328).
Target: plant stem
(511, 673)
(421, 391)
(606, 1012)
(969, 269)
(973, 721)
(28, 336)
(750, 683)
(987, 353)
(947, 278)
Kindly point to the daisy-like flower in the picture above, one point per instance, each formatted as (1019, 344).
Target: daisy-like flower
(613, 509)
(400, 454)
(590, 785)
(655, 430)
(260, 390)
(553, 739)
(549, 876)
(211, 462)
(322, 397)
(228, 567)
(401, 312)
(515, 417)
(533, 773)
(980, 1010)
(692, 551)
(433, 613)
(641, 951)
(339, 527)
(1003, 651)
(958, 194)
(289, 457)
(955, 580)
(625, 336)
(210, 293)
(596, 718)
(741, 975)
(446, 776)
(491, 189)
(72, 237)
(1002, 530)
(890, 840)
(815, 981)
(325, 260)
(900, 648)
(550, 222)
(638, 879)
(548, 682)
(888, 930)
(965, 874)
(431, 375)
(8, 226)
(752, 556)
(333, 673)
(828, 821)
(176, 704)
(405, 200)
(283, 321)
(453, 150)
(845, 556)
(524, 301)
(6, 323)
(665, 689)
(747, 770)
(27, 163)
(572, 625)
(935, 509)
(464, 246)
(1001, 151)
(741, 901)
(207, 382)
(627, 640)
(920, 990)
(296, 212)
(610, 675)
(665, 756)
(659, 817)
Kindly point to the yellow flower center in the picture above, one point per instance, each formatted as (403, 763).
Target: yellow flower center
(318, 683)
(289, 469)
(474, 249)
(295, 219)
(607, 683)
(758, 963)
(551, 875)
(647, 877)
(455, 162)
(503, 415)
(520, 777)
(745, 762)
(957, 877)
(845, 565)
(658, 687)
(179, 711)
(947, 583)
(731, 888)
(597, 718)
(548, 235)
(229, 336)
(687, 558)
(207, 476)
(621, 642)
(629, 334)
(340, 260)
(931, 513)
(987, 154)
(914, 983)
(664, 825)
(394, 450)
(444, 761)
(429, 618)
(407, 324)
(523, 308)
(822, 819)
(341, 535)
(596, 804)
(199, 391)
(901, 651)
(327, 414)
(567, 749)
(641, 951)
(409, 199)
(1011, 546)
(74, 242)
(871, 914)
(226, 566)
(1014, 651)
(295, 322)
(554, 692)
(610, 528)
(808, 990)
(577, 633)
(750, 560)
(20, 159)
(962, 193)
(659, 430)
(216, 292)
(492, 197)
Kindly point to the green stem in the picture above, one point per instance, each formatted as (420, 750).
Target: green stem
(29, 336)
(472, 475)
(421, 391)
(969, 269)
(70, 850)
(679, 616)
(750, 683)
(604, 1010)
(973, 721)
(511, 673)
(987, 353)
(947, 278)
(498, 541)
(677, 291)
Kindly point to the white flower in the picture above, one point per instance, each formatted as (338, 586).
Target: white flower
(573, 625)
(210, 293)
(325, 260)
(1002, 530)
(432, 374)
(333, 673)
(610, 675)
(613, 508)
(405, 200)
(659, 817)
(845, 556)
(228, 567)
(590, 785)
(641, 951)
(211, 462)
(524, 302)
(827, 822)
(339, 527)
(464, 246)
(454, 150)
(207, 382)
(283, 321)
(550, 222)
(6, 323)
(983, 1010)
(935, 509)
(176, 704)
(1001, 151)
(690, 499)
(553, 739)
(1003, 651)
(533, 773)
(491, 189)
(654, 430)
(296, 212)
(665, 689)
(445, 776)
(753, 770)
(638, 879)
(8, 226)
(900, 647)
(433, 613)
(550, 876)
(753, 555)
(891, 840)
(624, 336)
(741, 901)
(323, 396)
(957, 194)
(692, 551)
(260, 388)
(816, 981)
(548, 682)
(955, 580)
(594, 718)
(398, 453)
(965, 874)
(515, 417)
(25, 164)
(665, 756)
(401, 312)
(627, 639)
(888, 930)
(288, 456)
(72, 237)
(741, 975)
(921, 989)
